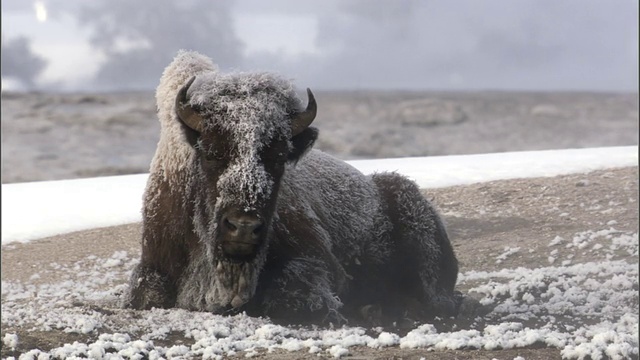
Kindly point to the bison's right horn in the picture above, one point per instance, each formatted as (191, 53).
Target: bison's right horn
(302, 120)
(186, 112)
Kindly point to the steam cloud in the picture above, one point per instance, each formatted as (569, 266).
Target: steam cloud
(140, 38)
(404, 44)
(465, 44)
(20, 63)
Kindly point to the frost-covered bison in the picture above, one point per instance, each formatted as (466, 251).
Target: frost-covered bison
(241, 215)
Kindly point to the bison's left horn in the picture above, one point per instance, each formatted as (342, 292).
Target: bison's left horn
(186, 112)
(302, 120)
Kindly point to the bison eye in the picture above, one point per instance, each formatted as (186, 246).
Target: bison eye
(214, 156)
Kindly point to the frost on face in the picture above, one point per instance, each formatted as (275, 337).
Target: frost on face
(246, 182)
(245, 114)
(251, 111)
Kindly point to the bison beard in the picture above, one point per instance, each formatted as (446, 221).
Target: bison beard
(241, 215)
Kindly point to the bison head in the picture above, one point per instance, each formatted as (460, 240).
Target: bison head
(244, 129)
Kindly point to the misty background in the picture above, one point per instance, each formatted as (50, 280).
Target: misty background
(75, 45)
(393, 78)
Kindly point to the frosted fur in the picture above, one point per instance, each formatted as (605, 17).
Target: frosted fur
(211, 286)
(252, 120)
(342, 199)
(173, 152)
(333, 241)
(251, 109)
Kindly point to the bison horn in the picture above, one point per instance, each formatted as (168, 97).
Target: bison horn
(186, 112)
(302, 120)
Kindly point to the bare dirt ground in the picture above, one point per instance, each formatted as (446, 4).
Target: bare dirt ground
(528, 223)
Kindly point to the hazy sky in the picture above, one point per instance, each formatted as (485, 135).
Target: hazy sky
(353, 44)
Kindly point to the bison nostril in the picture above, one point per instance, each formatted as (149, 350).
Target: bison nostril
(230, 226)
(243, 227)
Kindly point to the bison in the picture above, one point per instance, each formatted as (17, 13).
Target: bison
(240, 214)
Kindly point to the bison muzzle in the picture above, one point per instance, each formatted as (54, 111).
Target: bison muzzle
(241, 234)
(240, 214)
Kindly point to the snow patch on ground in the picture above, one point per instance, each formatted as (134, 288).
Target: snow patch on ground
(70, 205)
(584, 309)
(508, 251)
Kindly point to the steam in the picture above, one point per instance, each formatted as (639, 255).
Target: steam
(402, 44)
(523, 44)
(19, 63)
(139, 38)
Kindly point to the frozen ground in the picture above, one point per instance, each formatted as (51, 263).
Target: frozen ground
(63, 136)
(553, 261)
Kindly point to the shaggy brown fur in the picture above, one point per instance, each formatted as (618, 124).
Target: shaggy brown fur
(240, 214)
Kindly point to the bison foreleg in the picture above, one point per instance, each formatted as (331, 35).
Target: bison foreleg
(302, 290)
(148, 288)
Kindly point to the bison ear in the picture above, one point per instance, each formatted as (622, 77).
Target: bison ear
(190, 134)
(302, 143)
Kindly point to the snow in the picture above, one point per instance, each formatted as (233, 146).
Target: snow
(576, 292)
(10, 340)
(508, 251)
(443, 171)
(40, 209)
